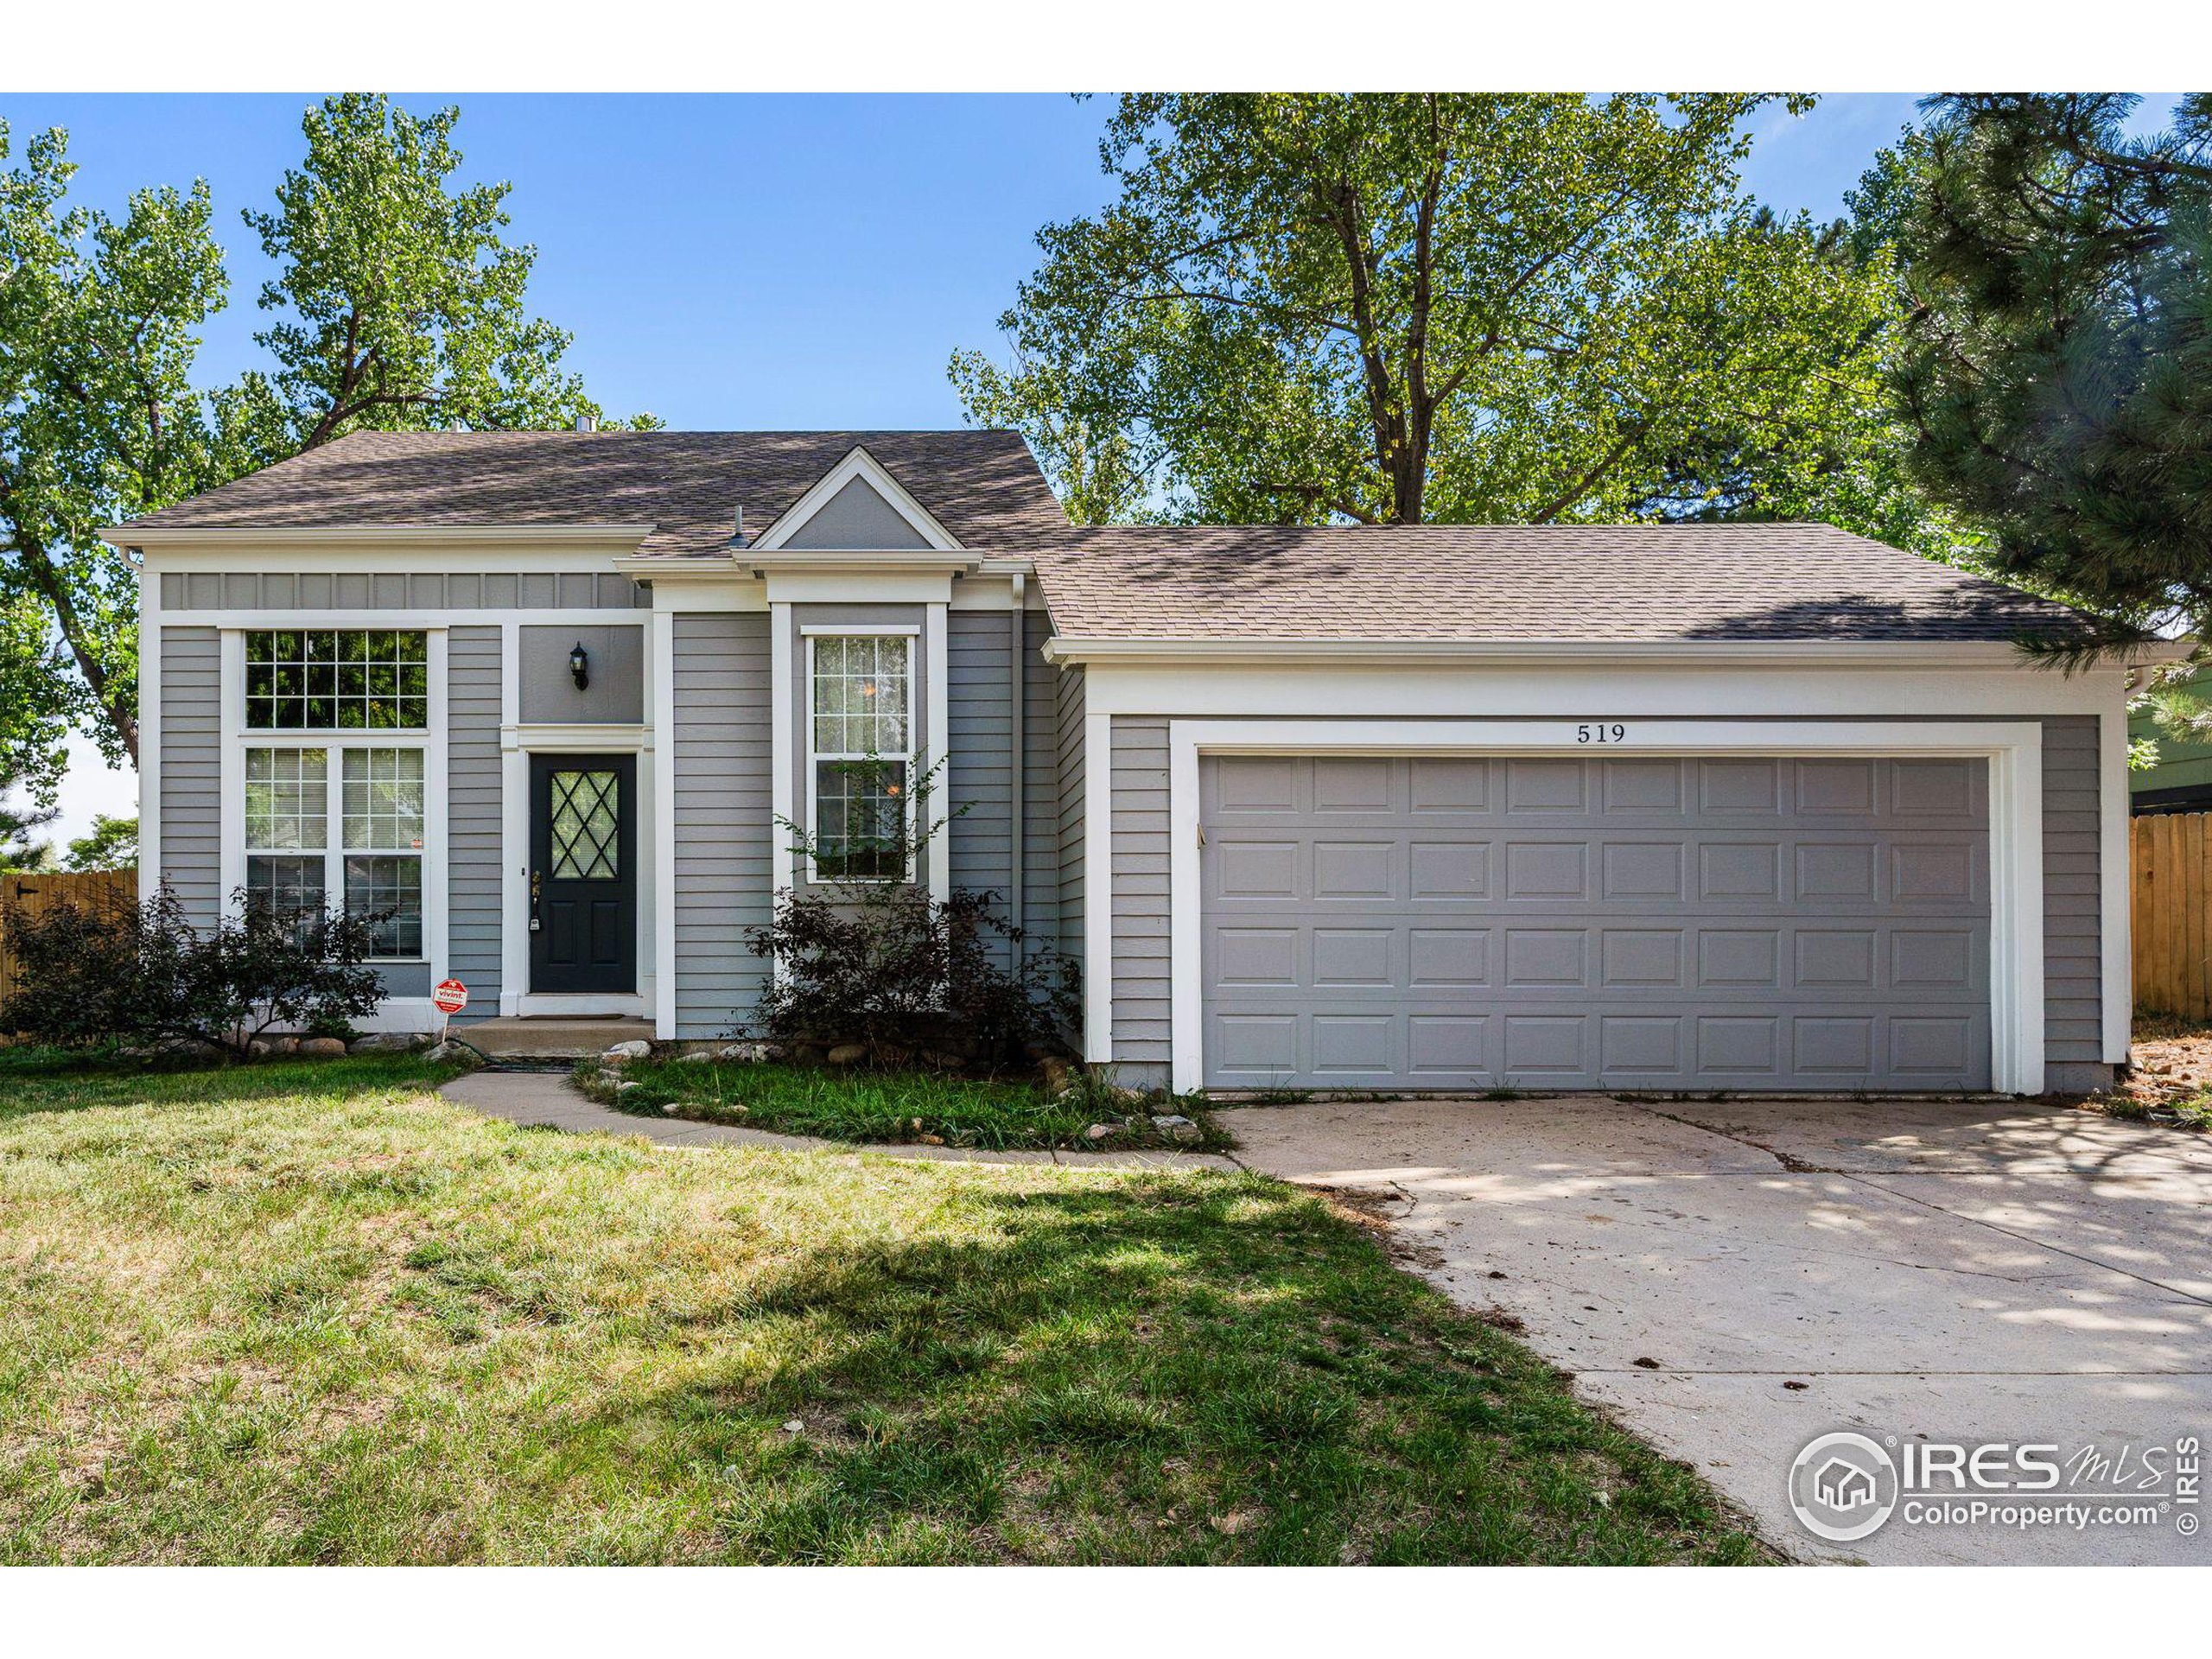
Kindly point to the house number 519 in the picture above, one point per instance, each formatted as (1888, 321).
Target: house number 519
(1614, 732)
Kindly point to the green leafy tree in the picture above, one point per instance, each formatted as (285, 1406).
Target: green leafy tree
(1393, 309)
(98, 421)
(109, 844)
(398, 304)
(2056, 369)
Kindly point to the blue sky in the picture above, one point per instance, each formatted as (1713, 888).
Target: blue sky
(755, 261)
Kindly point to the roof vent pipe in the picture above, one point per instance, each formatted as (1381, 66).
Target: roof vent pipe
(587, 422)
(738, 540)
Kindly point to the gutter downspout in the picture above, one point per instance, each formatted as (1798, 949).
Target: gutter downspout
(1018, 768)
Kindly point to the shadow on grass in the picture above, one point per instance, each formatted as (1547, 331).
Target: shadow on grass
(1194, 1369)
(47, 1080)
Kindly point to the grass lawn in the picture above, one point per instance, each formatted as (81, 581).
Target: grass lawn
(311, 1313)
(864, 1106)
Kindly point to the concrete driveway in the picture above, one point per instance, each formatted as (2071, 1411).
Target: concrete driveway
(1732, 1279)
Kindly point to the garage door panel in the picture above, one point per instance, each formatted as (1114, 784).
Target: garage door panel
(1694, 922)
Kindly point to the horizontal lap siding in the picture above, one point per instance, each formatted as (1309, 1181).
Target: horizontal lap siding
(192, 773)
(720, 751)
(1068, 734)
(978, 789)
(1040, 842)
(2072, 894)
(475, 681)
(1140, 889)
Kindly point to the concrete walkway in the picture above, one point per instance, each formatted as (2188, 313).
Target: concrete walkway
(1732, 1279)
(549, 1100)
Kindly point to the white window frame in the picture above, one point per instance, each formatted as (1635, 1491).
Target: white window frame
(916, 746)
(401, 1013)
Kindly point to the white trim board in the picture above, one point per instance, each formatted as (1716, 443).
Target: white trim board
(857, 463)
(2014, 750)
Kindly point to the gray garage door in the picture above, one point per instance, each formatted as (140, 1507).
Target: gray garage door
(1669, 924)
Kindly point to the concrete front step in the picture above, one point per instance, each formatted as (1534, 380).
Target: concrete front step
(548, 1038)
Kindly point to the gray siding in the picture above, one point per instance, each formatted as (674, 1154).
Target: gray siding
(506, 590)
(2073, 980)
(1067, 738)
(614, 675)
(720, 752)
(1040, 841)
(979, 772)
(474, 811)
(2073, 977)
(1142, 992)
(192, 770)
(856, 517)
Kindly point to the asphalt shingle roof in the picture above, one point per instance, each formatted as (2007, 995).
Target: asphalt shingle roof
(981, 486)
(1472, 584)
(1481, 584)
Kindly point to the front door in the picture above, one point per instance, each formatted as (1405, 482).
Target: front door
(583, 873)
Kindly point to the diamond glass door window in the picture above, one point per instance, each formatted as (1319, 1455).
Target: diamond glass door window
(586, 822)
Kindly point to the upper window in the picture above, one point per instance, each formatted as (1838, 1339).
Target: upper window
(344, 679)
(860, 743)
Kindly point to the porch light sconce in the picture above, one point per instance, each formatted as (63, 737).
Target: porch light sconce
(579, 665)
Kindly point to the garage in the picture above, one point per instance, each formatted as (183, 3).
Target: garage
(1733, 922)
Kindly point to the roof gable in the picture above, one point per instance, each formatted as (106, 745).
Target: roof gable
(858, 499)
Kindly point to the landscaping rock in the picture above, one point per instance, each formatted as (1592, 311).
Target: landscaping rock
(453, 1053)
(622, 1054)
(748, 1054)
(1101, 1131)
(940, 1061)
(283, 1044)
(383, 1042)
(697, 1057)
(1176, 1126)
(322, 1048)
(847, 1054)
(794, 1427)
(258, 1050)
(1054, 1071)
(627, 1084)
(668, 1109)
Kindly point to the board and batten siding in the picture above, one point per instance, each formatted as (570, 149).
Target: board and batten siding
(723, 829)
(392, 590)
(191, 784)
(2073, 980)
(475, 686)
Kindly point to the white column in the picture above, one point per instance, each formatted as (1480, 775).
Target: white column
(663, 776)
(939, 719)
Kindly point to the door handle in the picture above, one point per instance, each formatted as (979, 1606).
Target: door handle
(536, 882)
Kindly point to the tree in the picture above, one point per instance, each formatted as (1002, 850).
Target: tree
(109, 844)
(1393, 309)
(2057, 368)
(398, 305)
(98, 422)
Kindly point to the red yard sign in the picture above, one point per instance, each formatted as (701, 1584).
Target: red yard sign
(451, 997)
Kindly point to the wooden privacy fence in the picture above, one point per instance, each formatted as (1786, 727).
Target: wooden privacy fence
(2169, 860)
(27, 895)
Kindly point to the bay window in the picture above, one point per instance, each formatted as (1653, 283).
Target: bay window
(337, 818)
(859, 753)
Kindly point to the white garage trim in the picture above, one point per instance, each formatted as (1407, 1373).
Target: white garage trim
(2013, 749)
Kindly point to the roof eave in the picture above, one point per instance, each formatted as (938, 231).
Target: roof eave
(157, 536)
(1872, 653)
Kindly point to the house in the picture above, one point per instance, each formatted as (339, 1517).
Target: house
(1744, 807)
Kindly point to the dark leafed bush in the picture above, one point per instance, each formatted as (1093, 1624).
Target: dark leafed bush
(144, 973)
(893, 969)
